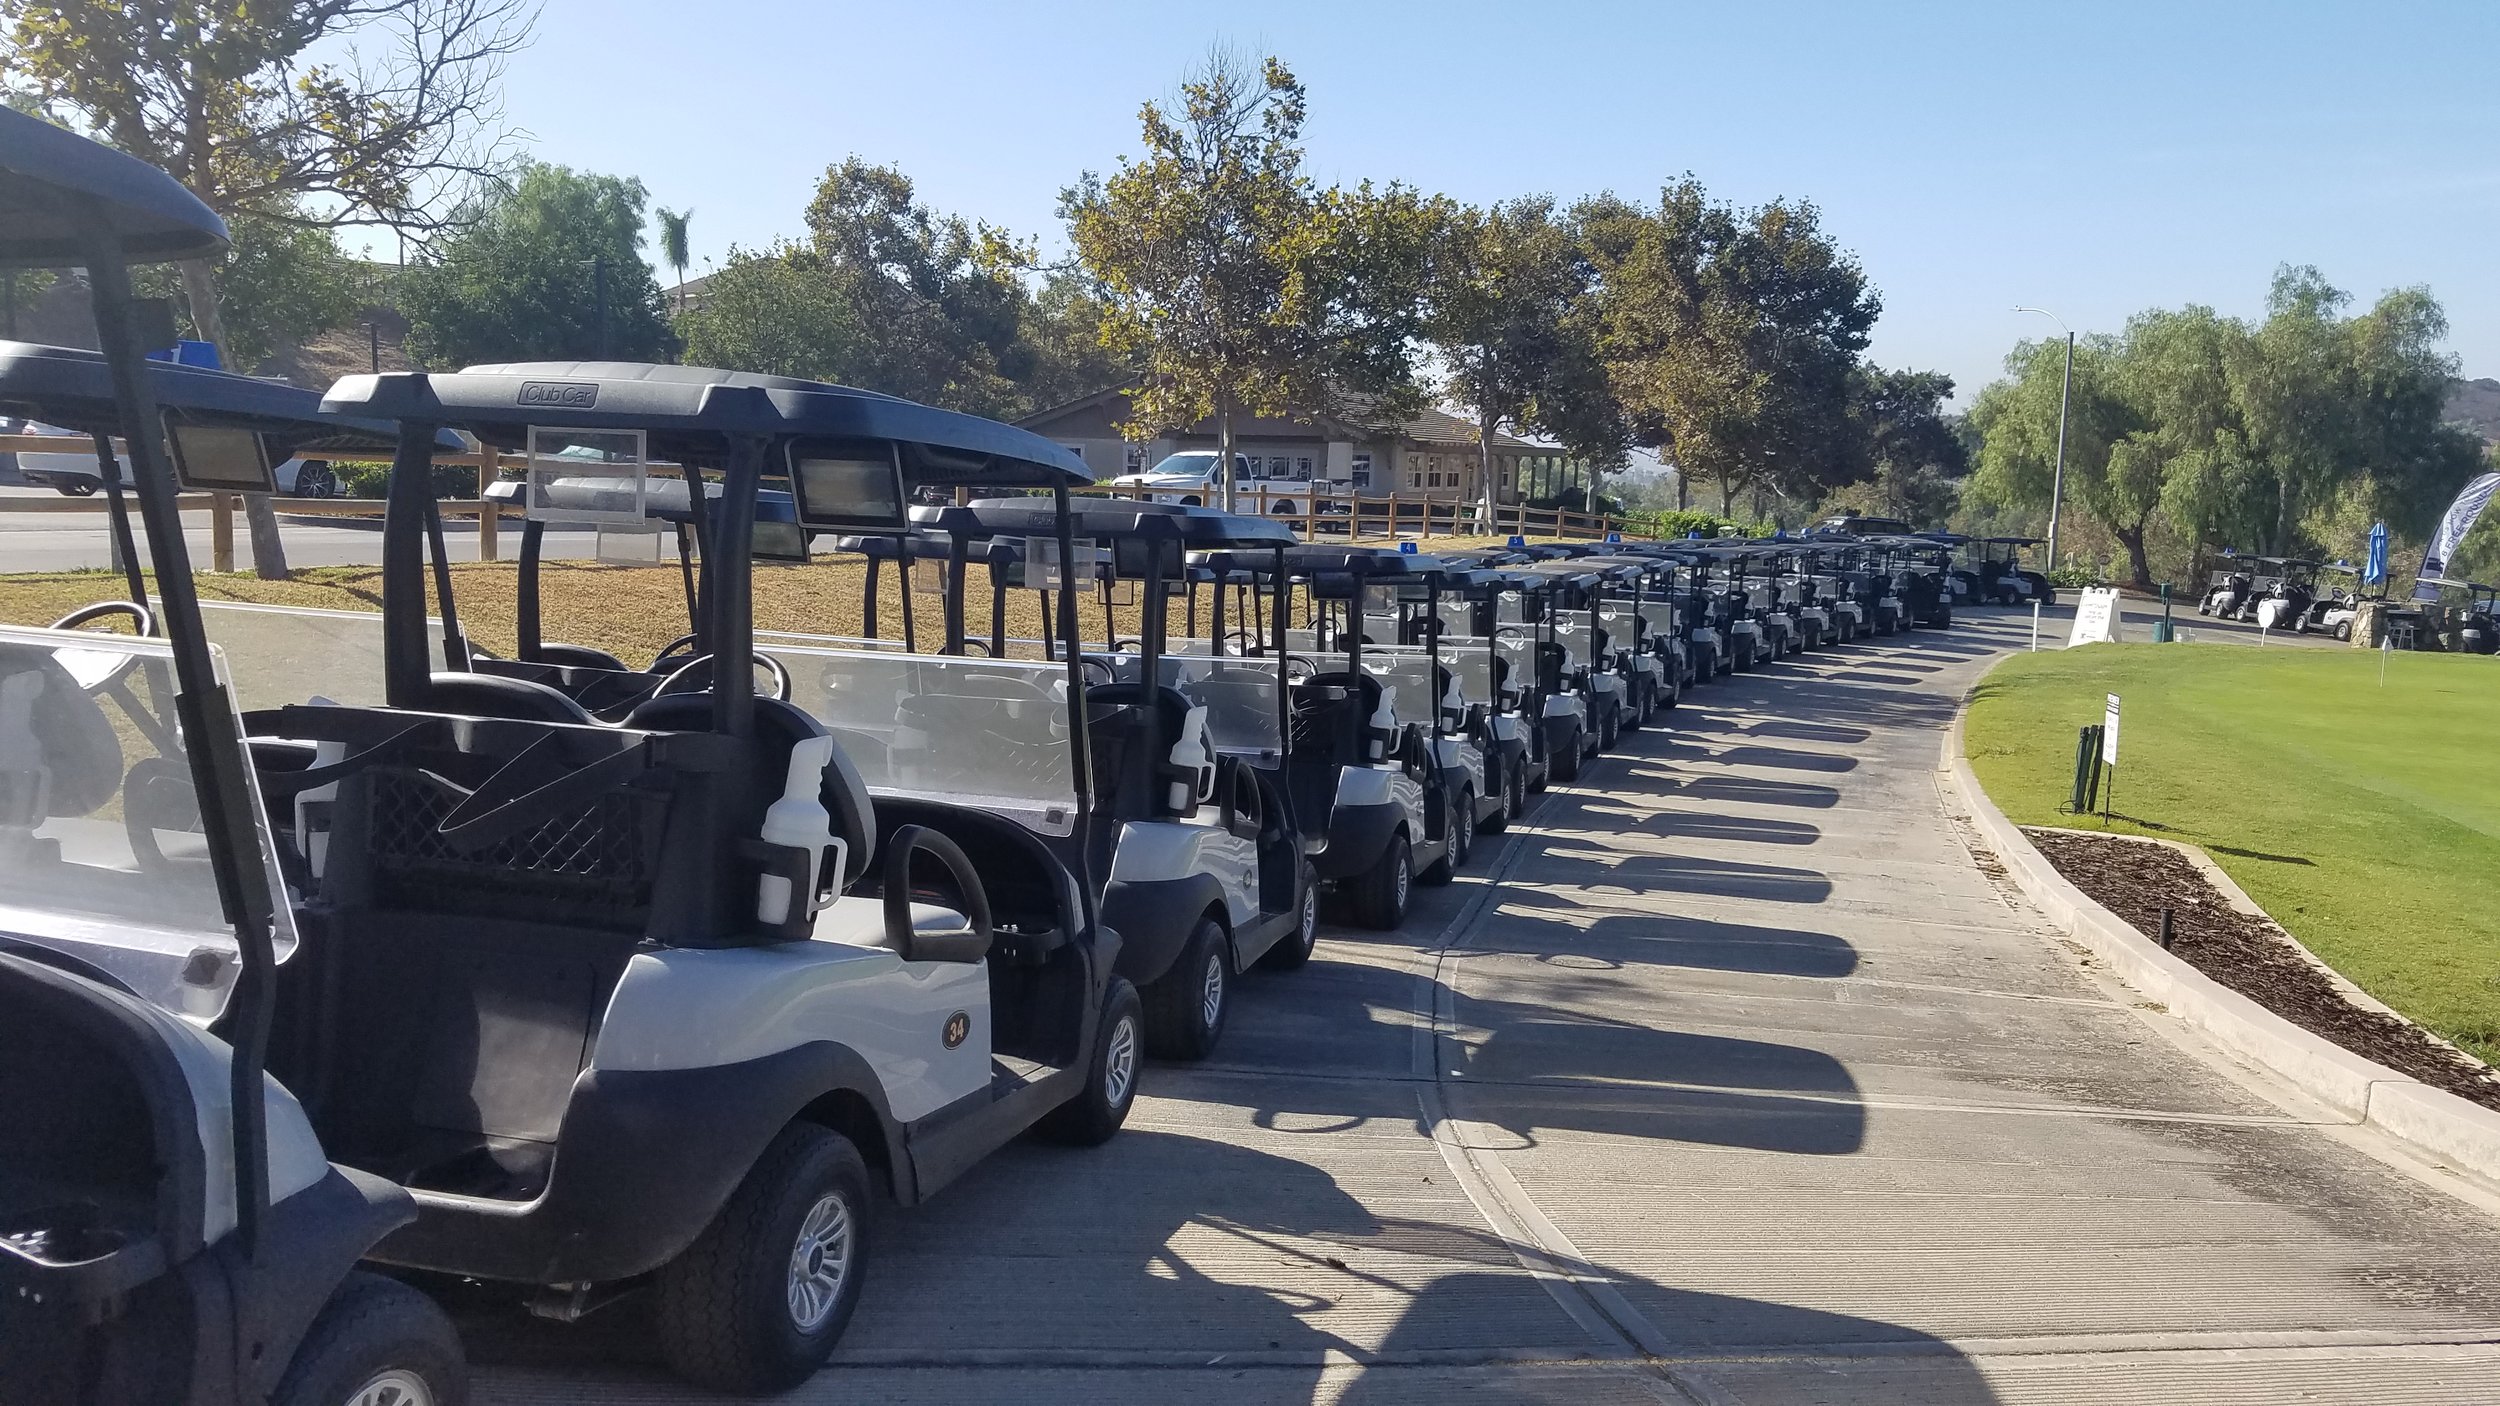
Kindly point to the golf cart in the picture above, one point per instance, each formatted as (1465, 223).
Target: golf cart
(1193, 830)
(1918, 568)
(1495, 663)
(2285, 592)
(1358, 777)
(1999, 576)
(1575, 666)
(654, 999)
(2232, 590)
(2472, 605)
(1455, 695)
(170, 1228)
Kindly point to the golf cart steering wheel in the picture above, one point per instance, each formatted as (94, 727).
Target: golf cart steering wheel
(1097, 673)
(695, 675)
(121, 664)
(1299, 667)
(1128, 646)
(687, 645)
(1249, 642)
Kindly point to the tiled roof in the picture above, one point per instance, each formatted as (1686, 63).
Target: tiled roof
(1436, 428)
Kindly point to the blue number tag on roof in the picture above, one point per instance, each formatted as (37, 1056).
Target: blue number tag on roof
(1613, 537)
(1517, 541)
(1406, 549)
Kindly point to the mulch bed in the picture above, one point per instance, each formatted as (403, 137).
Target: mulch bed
(2251, 956)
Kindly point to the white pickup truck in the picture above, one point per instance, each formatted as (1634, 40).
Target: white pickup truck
(1189, 478)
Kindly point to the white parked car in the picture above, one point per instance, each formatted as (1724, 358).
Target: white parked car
(73, 472)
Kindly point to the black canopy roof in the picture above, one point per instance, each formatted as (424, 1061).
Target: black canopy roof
(1109, 519)
(690, 414)
(74, 390)
(56, 186)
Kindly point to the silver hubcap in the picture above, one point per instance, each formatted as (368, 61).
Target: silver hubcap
(1310, 914)
(1402, 876)
(1119, 1062)
(820, 1263)
(1211, 990)
(393, 1386)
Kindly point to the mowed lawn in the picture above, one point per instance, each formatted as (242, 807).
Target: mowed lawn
(2364, 817)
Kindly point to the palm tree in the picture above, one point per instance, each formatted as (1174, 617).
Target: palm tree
(673, 247)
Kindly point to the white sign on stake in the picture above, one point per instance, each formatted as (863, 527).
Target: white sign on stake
(2096, 617)
(2109, 732)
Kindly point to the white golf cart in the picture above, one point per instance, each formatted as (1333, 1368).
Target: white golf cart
(170, 1230)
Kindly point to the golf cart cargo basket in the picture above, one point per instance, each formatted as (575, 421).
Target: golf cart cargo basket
(598, 862)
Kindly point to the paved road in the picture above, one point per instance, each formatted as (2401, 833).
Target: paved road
(71, 541)
(1734, 1077)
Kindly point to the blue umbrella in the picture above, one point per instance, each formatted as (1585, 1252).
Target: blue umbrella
(2376, 571)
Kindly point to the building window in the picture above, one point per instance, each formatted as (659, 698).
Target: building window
(1362, 471)
(1302, 468)
(1076, 449)
(1136, 459)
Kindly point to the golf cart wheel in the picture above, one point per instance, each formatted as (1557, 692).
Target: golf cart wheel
(1519, 793)
(1090, 1118)
(1610, 731)
(316, 480)
(1185, 1007)
(1379, 894)
(2343, 630)
(1296, 948)
(78, 488)
(757, 1302)
(376, 1343)
(1566, 764)
(1512, 798)
(1462, 838)
(1649, 704)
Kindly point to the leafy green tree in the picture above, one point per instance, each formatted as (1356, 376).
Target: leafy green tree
(2017, 420)
(1234, 285)
(279, 283)
(1501, 293)
(550, 269)
(1913, 453)
(302, 112)
(773, 311)
(1731, 336)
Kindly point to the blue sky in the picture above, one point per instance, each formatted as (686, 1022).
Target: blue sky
(2092, 159)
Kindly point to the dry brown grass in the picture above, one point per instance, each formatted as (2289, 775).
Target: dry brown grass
(628, 610)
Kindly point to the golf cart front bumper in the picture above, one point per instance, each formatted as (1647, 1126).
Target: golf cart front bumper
(1367, 814)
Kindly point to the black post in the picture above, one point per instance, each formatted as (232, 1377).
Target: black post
(2166, 931)
(219, 771)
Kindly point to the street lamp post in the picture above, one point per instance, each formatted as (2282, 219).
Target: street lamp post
(2065, 394)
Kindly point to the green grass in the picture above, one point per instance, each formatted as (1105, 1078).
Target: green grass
(2365, 818)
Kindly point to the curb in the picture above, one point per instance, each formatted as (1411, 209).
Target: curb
(2434, 1121)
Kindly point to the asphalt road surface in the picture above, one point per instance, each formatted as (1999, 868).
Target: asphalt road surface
(38, 541)
(1732, 1076)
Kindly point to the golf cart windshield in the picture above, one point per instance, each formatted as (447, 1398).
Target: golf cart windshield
(102, 856)
(1238, 694)
(987, 733)
(1409, 672)
(283, 654)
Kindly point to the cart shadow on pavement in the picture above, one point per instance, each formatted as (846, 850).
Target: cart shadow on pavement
(1708, 826)
(1644, 874)
(1735, 790)
(1694, 747)
(1171, 1267)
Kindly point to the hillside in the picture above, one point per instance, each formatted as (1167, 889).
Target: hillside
(2475, 405)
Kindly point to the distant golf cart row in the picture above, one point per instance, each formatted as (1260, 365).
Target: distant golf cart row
(331, 938)
(2305, 597)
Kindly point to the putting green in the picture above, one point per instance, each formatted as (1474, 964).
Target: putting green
(2364, 816)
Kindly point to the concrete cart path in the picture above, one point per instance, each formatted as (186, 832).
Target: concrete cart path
(1739, 1079)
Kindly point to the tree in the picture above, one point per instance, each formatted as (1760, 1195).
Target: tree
(673, 250)
(279, 282)
(550, 269)
(1730, 336)
(230, 100)
(2018, 423)
(1234, 285)
(1500, 293)
(1912, 453)
(890, 294)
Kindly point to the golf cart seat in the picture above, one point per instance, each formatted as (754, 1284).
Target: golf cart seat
(1117, 725)
(845, 795)
(493, 696)
(1320, 704)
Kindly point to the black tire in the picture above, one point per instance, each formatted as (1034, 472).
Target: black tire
(1090, 1118)
(1565, 766)
(1461, 833)
(370, 1328)
(1610, 730)
(2343, 630)
(1512, 797)
(1294, 949)
(315, 480)
(1186, 1006)
(1379, 894)
(723, 1307)
(1519, 791)
(1649, 704)
(78, 488)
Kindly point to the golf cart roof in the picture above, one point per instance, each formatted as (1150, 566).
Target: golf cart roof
(1196, 528)
(73, 390)
(1337, 559)
(692, 414)
(2454, 583)
(54, 183)
(2007, 541)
